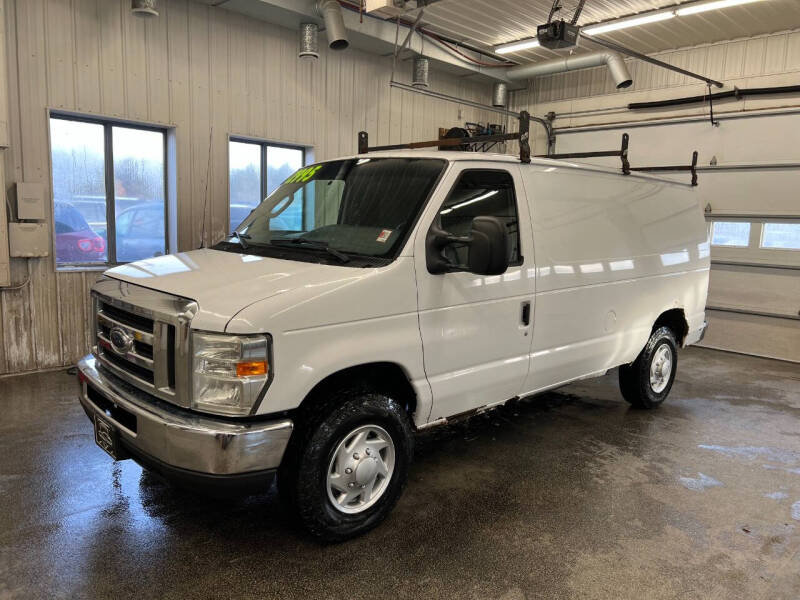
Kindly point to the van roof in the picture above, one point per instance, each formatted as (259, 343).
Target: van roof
(456, 156)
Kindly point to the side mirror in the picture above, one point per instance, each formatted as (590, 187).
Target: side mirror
(488, 250)
(487, 246)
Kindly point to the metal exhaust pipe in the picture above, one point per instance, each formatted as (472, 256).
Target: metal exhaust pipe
(420, 75)
(144, 8)
(500, 94)
(613, 60)
(619, 70)
(331, 13)
(309, 45)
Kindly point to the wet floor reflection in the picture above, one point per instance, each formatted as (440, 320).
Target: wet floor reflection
(513, 499)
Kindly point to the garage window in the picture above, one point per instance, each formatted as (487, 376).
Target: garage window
(256, 169)
(782, 236)
(731, 233)
(108, 191)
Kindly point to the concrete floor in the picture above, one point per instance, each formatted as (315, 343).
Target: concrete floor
(571, 494)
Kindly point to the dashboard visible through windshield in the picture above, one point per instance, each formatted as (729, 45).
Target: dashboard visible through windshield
(343, 211)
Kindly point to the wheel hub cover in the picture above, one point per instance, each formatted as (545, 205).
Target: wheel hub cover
(366, 470)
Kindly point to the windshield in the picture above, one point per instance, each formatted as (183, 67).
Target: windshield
(341, 210)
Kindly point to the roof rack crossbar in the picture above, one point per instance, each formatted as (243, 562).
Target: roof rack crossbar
(484, 142)
(622, 153)
(445, 143)
(692, 168)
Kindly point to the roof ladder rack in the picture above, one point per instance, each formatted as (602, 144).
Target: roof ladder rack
(626, 166)
(523, 136)
(692, 168)
(622, 153)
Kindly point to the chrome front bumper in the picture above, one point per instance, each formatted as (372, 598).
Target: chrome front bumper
(179, 440)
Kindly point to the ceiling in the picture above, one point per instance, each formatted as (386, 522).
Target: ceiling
(486, 23)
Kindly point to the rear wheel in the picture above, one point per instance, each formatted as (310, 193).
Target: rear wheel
(647, 381)
(348, 464)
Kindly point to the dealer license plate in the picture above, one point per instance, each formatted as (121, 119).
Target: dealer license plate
(105, 435)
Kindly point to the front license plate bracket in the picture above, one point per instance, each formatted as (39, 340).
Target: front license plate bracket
(107, 437)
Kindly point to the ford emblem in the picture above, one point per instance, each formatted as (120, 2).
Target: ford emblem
(121, 340)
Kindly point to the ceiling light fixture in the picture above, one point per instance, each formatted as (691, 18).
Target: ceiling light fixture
(517, 46)
(717, 4)
(652, 18)
(655, 17)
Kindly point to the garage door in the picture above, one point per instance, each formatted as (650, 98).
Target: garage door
(752, 195)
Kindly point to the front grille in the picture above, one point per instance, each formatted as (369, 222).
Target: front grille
(136, 360)
(128, 318)
(143, 349)
(132, 368)
(151, 331)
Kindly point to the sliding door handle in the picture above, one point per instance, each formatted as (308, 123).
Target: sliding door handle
(526, 313)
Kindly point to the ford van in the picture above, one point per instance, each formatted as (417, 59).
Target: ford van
(416, 287)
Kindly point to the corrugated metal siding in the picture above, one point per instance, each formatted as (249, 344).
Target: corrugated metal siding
(208, 72)
(474, 22)
(764, 55)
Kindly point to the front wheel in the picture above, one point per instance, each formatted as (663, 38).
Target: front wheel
(646, 382)
(348, 465)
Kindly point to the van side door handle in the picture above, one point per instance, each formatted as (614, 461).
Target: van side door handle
(526, 313)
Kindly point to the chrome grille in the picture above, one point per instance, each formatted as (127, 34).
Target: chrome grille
(142, 336)
(138, 360)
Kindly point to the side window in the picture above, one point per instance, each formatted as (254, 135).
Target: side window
(480, 193)
(86, 200)
(255, 170)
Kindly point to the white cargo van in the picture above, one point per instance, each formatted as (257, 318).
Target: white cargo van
(409, 288)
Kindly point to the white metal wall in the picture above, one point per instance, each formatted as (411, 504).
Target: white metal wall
(594, 117)
(5, 265)
(207, 72)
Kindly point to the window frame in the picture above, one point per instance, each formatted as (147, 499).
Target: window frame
(754, 253)
(438, 220)
(264, 145)
(108, 123)
(768, 221)
(749, 224)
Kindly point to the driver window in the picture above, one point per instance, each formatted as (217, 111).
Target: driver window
(480, 193)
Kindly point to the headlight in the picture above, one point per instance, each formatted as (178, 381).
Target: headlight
(228, 372)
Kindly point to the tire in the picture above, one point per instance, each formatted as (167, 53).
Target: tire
(644, 383)
(318, 452)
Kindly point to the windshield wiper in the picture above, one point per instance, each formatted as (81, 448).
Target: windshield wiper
(314, 244)
(241, 237)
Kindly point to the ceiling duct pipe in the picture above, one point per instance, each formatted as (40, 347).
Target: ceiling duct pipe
(613, 60)
(500, 94)
(309, 40)
(144, 8)
(420, 72)
(331, 13)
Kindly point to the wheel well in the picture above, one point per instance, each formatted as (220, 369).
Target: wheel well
(386, 377)
(675, 319)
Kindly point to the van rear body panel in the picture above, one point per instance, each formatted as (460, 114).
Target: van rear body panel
(612, 254)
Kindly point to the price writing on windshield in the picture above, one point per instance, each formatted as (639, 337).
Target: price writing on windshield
(303, 175)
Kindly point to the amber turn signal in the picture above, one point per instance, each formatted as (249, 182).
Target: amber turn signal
(255, 367)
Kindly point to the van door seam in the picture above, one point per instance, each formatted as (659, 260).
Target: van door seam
(422, 342)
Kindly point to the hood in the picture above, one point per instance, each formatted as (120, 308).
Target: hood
(223, 283)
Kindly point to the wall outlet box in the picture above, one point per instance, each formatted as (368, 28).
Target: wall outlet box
(28, 240)
(30, 201)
